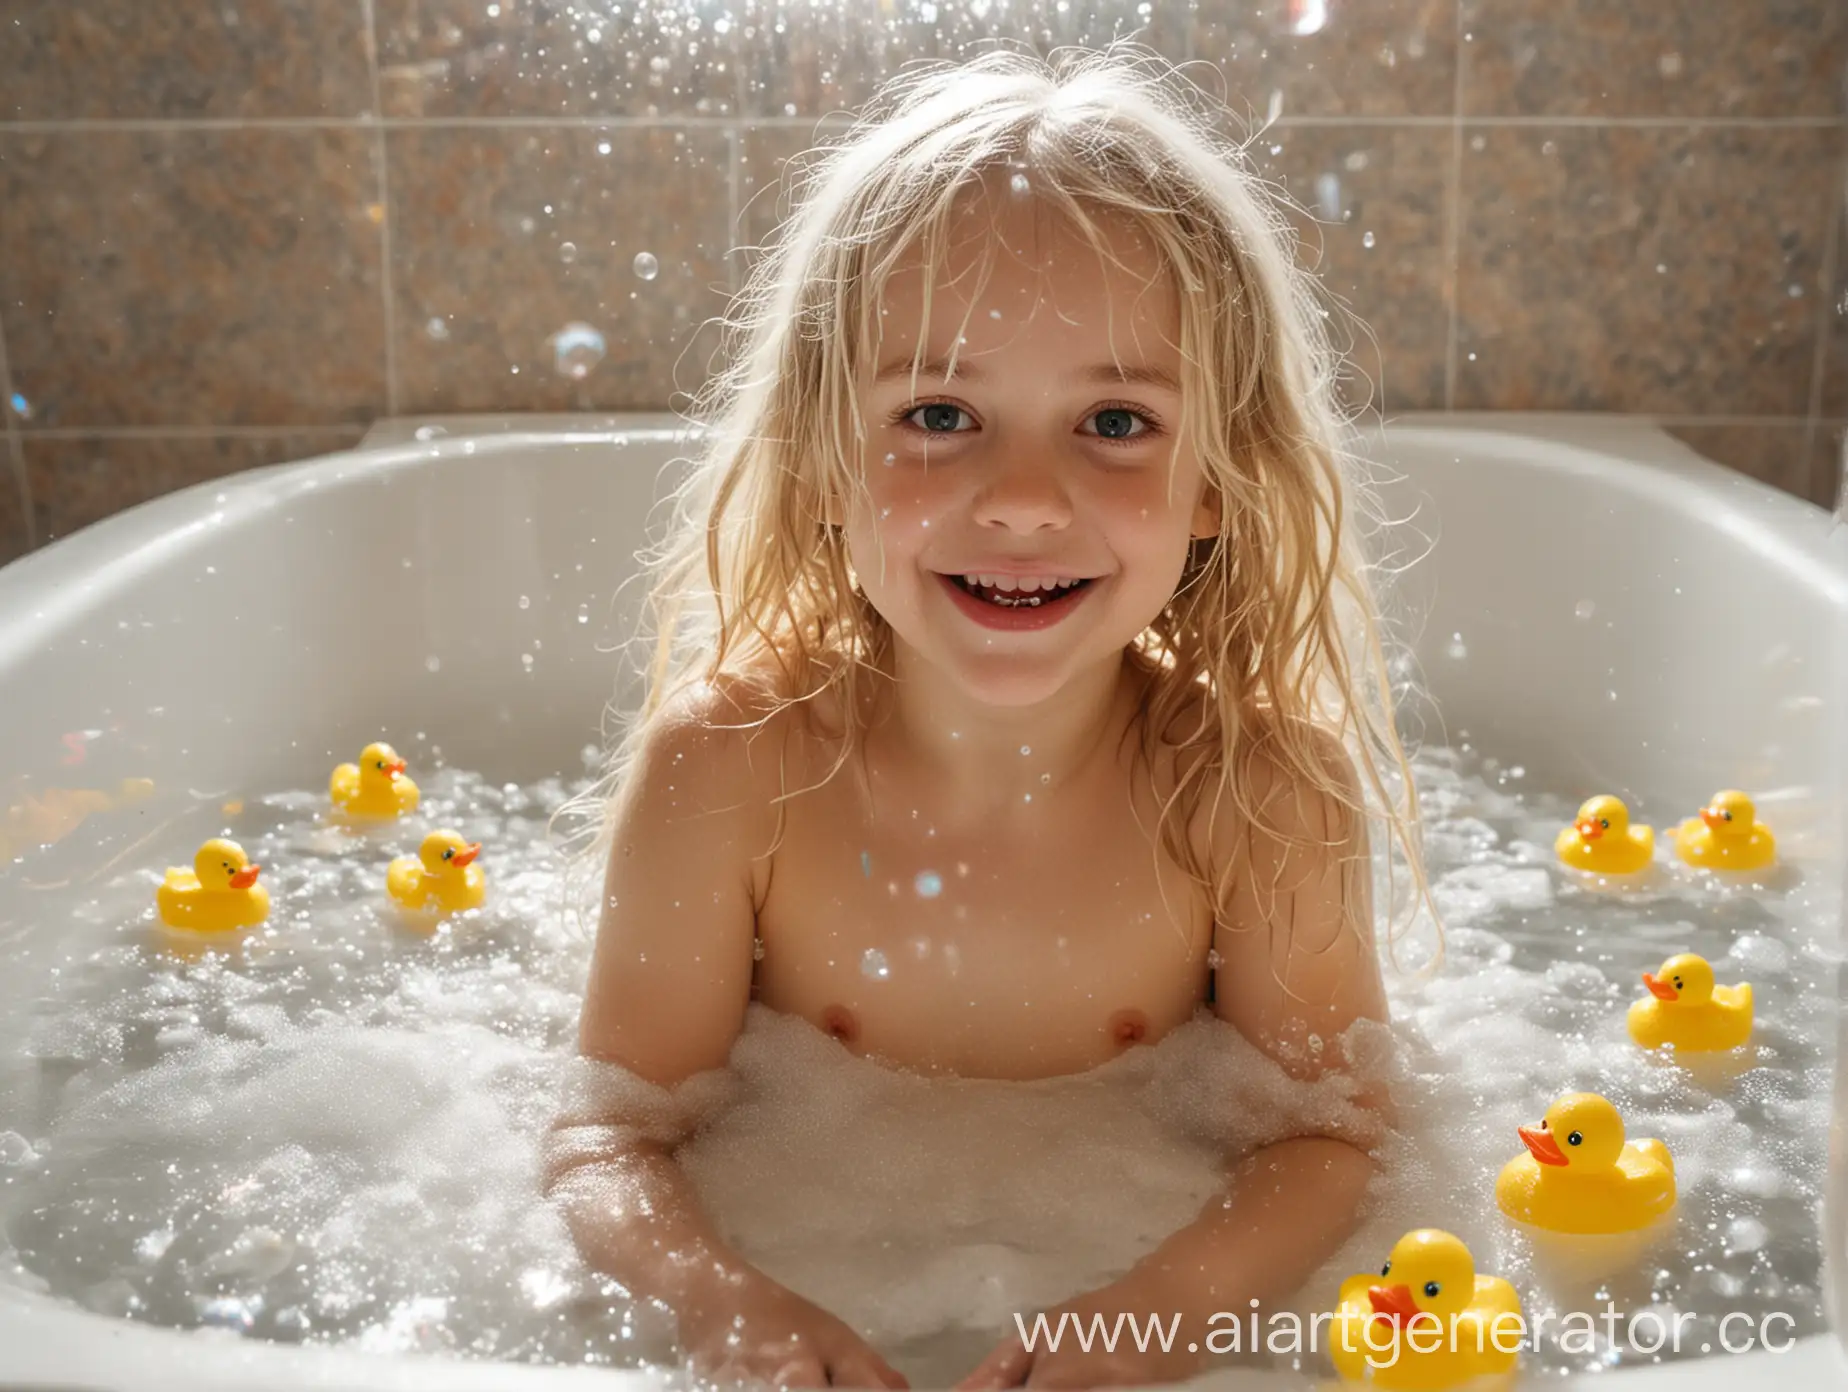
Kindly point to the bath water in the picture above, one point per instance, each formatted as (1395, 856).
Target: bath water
(329, 1132)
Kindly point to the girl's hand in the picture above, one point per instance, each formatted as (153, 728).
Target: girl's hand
(757, 1330)
(1125, 1307)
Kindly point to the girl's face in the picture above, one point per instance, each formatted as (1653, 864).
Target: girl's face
(1025, 519)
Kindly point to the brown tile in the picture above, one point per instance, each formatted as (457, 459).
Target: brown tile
(1773, 452)
(192, 277)
(763, 194)
(809, 60)
(549, 58)
(136, 58)
(15, 539)
(502, 239)
(1672, 271)
(1654, 57)
(75, 482)
(1372, 218)
(1369, 58)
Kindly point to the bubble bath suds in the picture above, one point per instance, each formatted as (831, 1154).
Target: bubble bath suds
(332, 1133)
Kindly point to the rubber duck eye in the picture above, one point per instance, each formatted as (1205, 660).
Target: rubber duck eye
(1677, 983)
(1726, 816)
(1431, 1289)
(1386, 1268)
(1574, 1138)
(1543, 1124)
(449, 854)
(1605, 822)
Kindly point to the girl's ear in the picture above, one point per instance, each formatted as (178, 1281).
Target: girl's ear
(1206, 514)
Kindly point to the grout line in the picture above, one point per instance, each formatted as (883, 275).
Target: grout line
(734, 179)
(382, 171)
(1829, 291)
(189, 432)
(807, 122)
(1453, 220)
(15, 457)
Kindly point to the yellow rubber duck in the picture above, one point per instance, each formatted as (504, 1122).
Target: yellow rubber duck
(442, 875)
(220, 893)
(1603, 842)
(1727, 835)
(1687, 1010)
(1580, 1176)
(1394, 1330)
(375, 787)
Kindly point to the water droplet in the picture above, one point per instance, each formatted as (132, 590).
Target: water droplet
(429, 432)
(1019, 184)
(526, 661)
(576, 350)
(526, 601)
(21, 407)
(1026, 749)
(866, 864)
(1457, 649)
(1045, 779)
(890, 460)
(646, 266)
(1367, 239)
(994, 314)
(583, 613)
(433, 664)
(438, 328)
(567, 252)
(1584, 609)
(603, 147)
(873, 964)
(757, 949)
(1213, 959)
(929, 884)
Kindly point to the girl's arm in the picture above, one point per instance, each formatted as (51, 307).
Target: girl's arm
(670, 980)
(1297, 968)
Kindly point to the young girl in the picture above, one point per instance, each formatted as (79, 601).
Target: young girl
(1018, 564)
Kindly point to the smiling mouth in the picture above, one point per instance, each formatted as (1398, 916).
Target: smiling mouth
(1012, 596)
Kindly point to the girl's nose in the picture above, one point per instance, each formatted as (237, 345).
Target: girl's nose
(1025, 498)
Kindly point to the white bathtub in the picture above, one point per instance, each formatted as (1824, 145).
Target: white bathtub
(237, 634)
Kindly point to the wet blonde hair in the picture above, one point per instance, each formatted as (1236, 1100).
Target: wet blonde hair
(1273, 619)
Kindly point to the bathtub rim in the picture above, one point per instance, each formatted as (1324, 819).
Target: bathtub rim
(56, 1344)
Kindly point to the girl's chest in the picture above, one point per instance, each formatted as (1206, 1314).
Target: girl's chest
(1044, 949)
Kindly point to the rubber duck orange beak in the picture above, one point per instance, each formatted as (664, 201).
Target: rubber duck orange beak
(1541, 1143)
(1392, 1303)
(462, 858)
(1589, 828)
(1659, 988)
(394, 768)
(246, 877)
(1714, 820)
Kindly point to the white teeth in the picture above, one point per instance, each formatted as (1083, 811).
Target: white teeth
(1032, 583)
(1004, 583)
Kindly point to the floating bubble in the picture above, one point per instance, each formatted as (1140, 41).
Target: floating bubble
(437, 328)
(1457, 648)
(1367, 239)
(567, 252)
(929, 884)
(1019, 184)
(21, 407)
(576, 350)
(873, 964)
(1584, 609)
(646, 266)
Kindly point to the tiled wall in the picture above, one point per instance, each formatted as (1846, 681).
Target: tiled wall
(236, 231)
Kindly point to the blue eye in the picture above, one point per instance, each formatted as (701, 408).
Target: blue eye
(1117, 424)
(939, 417)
